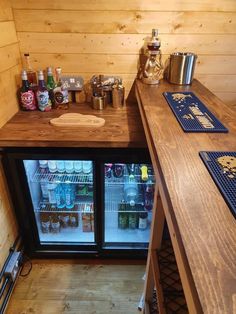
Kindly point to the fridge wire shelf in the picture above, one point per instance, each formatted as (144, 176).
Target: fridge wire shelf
(85, 207)
(48, 176)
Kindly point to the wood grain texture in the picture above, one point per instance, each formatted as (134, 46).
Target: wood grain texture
(9, 68)
(7, 33)
(196, 208)
(185, 5)
(103, 29)
(5, 11)
(123, 128)
(8, 224)
(129, 22)
(102, 289)
(9, 57)
(125, 44)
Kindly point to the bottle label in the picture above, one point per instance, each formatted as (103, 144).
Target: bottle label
(44, 102)
(28, 100)
(61, 96)
(142, 223)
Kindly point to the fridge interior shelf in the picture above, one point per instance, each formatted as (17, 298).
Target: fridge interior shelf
(117, 181)
(48, 176)
(79, 207)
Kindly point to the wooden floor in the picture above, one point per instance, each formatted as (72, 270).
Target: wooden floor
(57, 287)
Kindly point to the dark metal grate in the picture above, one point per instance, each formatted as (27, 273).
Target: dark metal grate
(192, 114)
(224, 179)
(154, 304)
(174, 299)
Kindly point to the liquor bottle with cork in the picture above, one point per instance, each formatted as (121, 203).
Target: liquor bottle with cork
(44, 103)
(61, 95)
(32, 75)
(26, 95)
(51, 85)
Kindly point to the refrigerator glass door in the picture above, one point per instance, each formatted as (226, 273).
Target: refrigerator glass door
(62, 194)
(129, 193)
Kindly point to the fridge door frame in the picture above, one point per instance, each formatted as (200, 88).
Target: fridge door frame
(22, 203)
(136, 156)
(21, 199)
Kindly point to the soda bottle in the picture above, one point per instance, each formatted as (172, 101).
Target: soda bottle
(51, 85)
(60, 93)
(31, 74)
(44, 103)
(26, 95)
(131, 190)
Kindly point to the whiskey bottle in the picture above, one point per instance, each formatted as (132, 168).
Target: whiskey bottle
(32, 75)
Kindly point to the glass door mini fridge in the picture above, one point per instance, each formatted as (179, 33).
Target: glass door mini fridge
(82, 202)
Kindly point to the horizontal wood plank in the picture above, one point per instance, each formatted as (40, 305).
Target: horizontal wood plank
(128, 22)
(218, 83)
(9, 57)
(178, 5)
(5, 11)
(9, 103)
(7, 33)
(129, 64)
(124, 44)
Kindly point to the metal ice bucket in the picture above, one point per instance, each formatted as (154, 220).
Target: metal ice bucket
(181, 68)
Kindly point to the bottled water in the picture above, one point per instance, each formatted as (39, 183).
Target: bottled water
(60, 196)
(52, 193)
(87, 166)
(131, 190)
(60, 166)
(52, 166)
(69, 195)
(69, 166)
(78, 166)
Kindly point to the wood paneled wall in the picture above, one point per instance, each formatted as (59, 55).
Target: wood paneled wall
(89, 37)
(9, 69)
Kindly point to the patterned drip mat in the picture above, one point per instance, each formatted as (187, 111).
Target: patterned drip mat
(174, 299)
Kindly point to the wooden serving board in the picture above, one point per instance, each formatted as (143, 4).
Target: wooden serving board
(68, 120)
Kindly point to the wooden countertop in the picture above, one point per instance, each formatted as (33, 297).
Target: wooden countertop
(194, 208)
(123, 128)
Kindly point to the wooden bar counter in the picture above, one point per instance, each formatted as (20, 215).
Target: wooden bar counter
(202, 228)
(122, 129)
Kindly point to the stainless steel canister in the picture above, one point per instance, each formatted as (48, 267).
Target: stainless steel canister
(99, 102)
(181, 68)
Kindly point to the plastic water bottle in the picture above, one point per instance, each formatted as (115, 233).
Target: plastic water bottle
(60, 196)
(69, 195)
(131, 190)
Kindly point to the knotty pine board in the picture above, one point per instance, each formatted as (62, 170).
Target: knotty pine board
(128, 22)
(5, 11)
(124, 5)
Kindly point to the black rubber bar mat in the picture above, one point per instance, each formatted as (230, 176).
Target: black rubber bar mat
(222, 167)
(192, 114)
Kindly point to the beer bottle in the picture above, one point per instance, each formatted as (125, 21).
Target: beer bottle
(123, 218)
(26, 95)
(32, 76)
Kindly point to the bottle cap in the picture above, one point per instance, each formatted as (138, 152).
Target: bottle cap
(24, 75)
(49, 70)
(40, 75)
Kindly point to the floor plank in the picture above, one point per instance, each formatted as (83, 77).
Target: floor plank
(55, 287)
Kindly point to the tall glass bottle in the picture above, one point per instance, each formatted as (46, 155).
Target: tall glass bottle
(44, 103)
(26, 95)
(51, 85)
(61, 95)
(32, 75)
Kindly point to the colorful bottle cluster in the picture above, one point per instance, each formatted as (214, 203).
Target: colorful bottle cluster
(37, 94)
(132, 217)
